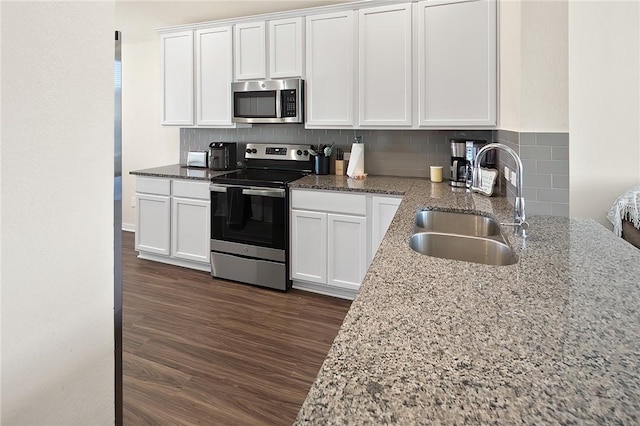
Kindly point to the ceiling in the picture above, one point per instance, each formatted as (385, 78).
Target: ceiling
(138, 20)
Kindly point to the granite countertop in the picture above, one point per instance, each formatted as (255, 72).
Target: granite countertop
(180, 171)
(553, 339)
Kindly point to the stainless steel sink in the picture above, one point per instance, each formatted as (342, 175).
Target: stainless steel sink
(489, 251)
(456, 223)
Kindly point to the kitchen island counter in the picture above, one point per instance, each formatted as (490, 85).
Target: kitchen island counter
(554, 338)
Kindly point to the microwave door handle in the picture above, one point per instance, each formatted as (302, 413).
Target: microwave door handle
(278, 103)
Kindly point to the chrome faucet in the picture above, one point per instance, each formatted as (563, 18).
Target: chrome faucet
(519, 215)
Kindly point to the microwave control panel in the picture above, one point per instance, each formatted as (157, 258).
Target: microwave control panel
(289, 108)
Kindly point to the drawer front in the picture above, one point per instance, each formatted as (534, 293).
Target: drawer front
(337, 202)
(189, 189)
(153, 186)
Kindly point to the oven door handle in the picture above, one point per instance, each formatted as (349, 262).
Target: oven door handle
(260, 192)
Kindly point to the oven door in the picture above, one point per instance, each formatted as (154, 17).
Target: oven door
(251, 216)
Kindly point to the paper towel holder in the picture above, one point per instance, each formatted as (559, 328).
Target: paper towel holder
(355, 168)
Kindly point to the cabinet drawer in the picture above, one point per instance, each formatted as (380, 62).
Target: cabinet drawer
(189, 189)
(153, 186)
(338, 202)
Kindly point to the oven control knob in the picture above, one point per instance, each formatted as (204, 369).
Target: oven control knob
(305, 153)
(254, 151)
(248, 151)
(299, 152)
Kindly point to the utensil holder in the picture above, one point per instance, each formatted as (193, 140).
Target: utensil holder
(321, 165)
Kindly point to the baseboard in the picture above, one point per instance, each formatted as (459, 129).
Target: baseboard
(326, 290)
(129, 227)
(205, 267)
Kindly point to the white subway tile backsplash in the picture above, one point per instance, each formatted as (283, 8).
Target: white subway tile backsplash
(552, 139)
(527, 139)
(538, 208)
(553, 167)
(545, 156)
(535, 152)
(559, 153)
(537, 181)
(560, 209)
(387, 152)
(560, 182)
(553, 195)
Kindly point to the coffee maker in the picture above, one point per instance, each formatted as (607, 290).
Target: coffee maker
(222, 155)
(463, 154)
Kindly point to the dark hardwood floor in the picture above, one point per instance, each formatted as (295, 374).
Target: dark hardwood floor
(202, 351)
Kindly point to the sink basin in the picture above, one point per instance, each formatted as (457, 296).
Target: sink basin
(456, 223)
(467, 248)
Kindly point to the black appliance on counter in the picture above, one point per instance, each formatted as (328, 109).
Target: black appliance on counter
(222, 155)
(463, 154)
(250, 215)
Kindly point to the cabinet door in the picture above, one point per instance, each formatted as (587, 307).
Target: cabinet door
(330, 57)
(190, 229)
(347, 250)
(385, 66)
(383, 211)
(457, 63)
(286, 48)
(153, 223)
(250, 58)
(176, 61)
(214, 74)
(309, 246)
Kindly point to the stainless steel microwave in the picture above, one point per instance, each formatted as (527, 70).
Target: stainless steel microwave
(268, 101)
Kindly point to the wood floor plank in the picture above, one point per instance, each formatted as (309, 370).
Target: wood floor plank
(198, 350)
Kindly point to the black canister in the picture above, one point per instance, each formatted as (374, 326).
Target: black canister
(321, 165)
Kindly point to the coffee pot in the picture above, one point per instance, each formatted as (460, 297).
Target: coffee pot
(459, 164)
(222, 155)
(463, 154)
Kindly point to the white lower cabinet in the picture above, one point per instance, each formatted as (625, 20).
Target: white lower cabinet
(190, 223)
(347, 250)
(383, 210)
(173, 222)
(331, 241)
(153, 230)
(309, 238)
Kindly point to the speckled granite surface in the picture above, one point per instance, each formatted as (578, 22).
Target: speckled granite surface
(180, 171)
(553, 339)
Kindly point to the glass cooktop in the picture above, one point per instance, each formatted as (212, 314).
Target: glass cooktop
(259, 177)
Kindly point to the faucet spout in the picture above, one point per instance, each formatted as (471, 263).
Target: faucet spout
(519, 215)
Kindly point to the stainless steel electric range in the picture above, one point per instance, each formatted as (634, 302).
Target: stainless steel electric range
(250, 215)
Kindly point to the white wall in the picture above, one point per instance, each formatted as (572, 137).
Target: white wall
(545, 101)
(533, 66)
(510, 16)
(56, 247)
(604, 100)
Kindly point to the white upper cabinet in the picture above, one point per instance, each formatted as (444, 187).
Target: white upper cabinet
(176, 62)
(330, 58)
(286, 48)
(373, 65)
(385, 66)
(250, 57)
(214, 74)
(457, 63)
